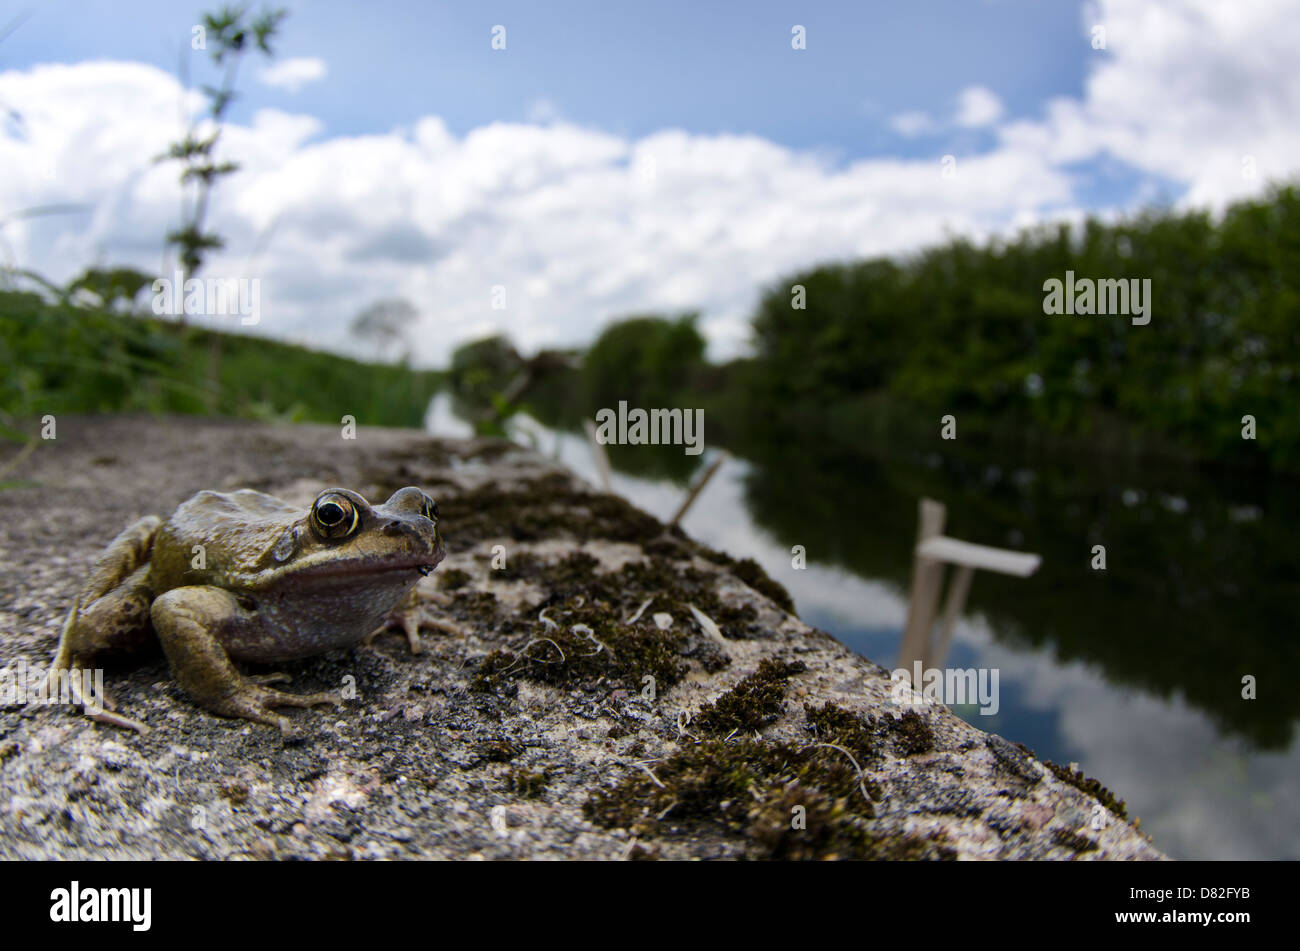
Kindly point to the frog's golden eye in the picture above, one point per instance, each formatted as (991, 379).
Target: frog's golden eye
(334, 516)
(429, 509)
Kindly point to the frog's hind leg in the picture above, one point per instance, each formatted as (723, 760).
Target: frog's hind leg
(111, 614)
(188, 621)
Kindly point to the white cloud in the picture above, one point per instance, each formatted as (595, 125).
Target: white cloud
(977, 107)
(1187, 89)
(911, 124)
(293, 74)
(581, 225)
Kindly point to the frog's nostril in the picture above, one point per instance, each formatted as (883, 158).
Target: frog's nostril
(416, 535)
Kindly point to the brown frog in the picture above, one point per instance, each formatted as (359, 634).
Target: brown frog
(244, 576)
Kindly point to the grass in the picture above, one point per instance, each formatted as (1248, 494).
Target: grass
(74, 359)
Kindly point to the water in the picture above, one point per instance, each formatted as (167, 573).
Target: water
(1135, 672)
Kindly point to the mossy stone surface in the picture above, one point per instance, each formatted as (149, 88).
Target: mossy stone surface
(654, 737)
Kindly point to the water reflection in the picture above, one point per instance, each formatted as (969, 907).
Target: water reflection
(1132, 672)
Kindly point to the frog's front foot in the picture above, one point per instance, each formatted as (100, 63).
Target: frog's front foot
(407, 616)
(184, 619)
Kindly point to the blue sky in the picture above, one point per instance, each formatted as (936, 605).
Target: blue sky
(621, 157)
(630, 68)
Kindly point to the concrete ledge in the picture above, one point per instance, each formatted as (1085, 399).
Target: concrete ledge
(527, 728)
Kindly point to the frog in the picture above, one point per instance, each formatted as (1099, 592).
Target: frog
(246, 577)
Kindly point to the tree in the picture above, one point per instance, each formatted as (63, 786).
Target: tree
(115, 287)
(385, 323)
(649, 361)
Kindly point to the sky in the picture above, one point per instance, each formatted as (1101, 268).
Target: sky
(623, 158)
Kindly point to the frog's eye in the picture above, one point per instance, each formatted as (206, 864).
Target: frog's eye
(429, 509)
(334, 516)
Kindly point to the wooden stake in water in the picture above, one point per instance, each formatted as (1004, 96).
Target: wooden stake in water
(934, 550)
(698, 488)
(927, 578)
(597, 450)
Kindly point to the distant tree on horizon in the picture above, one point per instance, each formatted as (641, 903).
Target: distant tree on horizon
(385, 324)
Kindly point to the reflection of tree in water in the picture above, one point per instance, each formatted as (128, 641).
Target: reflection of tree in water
(1202, 579)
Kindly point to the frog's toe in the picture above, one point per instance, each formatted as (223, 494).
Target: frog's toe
(252, 705)
(116, 719)
(411, 627)
(278, 698)
(277, 678)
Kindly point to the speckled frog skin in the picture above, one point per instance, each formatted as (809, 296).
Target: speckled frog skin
(244, 576)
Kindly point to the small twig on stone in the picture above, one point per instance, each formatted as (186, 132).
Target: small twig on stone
(591, 635)
(523, 653)
(653, 778)
(861, 772)
(639, 611)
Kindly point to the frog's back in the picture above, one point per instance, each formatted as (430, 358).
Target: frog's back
(207, 511)
(233, 528)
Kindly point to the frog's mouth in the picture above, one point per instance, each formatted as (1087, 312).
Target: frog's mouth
(423, 564)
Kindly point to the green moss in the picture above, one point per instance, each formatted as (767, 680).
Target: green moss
(839, 727)
(675, 591)
(711, 780)
(912, 733)
(788, 801)
(587, 647)
(753, 703)
(752, 788)
(1090, 787)
(667, 546)
(528, 783)
(478, 606)
(545, 508)
(830, 832)
(833, 724)
(750, 572)
(1073, 841)
(573, 572)
(452, 578)
(552, 506)
(580, 594)
(608, 650)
